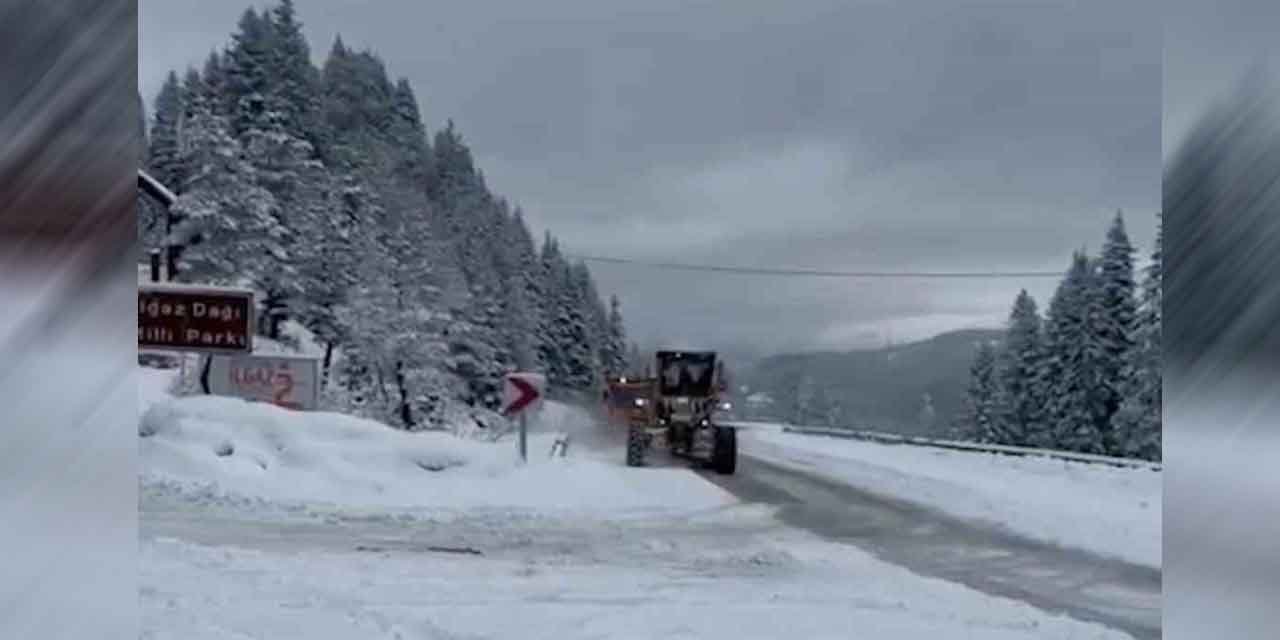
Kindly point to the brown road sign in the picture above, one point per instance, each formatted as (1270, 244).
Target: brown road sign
(200, 319)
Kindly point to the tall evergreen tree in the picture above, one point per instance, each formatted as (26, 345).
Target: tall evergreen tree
(981, 400)
(1138, 424)
(1020, 397)
(407, 128)
(617, 346)
(1118, 313)
(522, 307)
(579, 334)
(296, 82)
(250, 61)
(163, 161)
(164, 154)
(1072, 365)
(550, 331)
(215, 81)
(227, 219)
(473, 220)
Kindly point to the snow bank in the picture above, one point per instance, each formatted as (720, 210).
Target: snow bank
(225, 446)
(1106, 510)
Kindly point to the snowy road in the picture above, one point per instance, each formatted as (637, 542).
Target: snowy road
(928, 542)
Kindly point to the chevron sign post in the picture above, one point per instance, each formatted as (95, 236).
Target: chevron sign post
(521, 394)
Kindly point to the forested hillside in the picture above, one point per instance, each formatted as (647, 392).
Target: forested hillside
(323, 190)
(1086, 376)
(916, 388)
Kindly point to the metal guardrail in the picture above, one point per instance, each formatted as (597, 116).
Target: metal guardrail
(890, 438)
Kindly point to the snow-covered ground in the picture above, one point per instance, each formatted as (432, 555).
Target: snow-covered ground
(219, 447)
(767, 589)
(322, 526)
(1106, 510)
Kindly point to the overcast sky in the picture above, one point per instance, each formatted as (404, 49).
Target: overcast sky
(931, 135)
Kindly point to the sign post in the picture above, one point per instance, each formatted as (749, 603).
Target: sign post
(522, 393)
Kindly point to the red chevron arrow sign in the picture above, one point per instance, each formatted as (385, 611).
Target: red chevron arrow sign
(522, 392)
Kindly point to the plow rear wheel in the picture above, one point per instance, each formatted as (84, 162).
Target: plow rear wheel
(724, 455)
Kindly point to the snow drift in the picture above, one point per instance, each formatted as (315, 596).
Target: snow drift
(230, 447)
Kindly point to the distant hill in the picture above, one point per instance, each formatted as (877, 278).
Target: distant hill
(882, 389)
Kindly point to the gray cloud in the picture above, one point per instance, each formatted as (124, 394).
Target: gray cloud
(828, 134)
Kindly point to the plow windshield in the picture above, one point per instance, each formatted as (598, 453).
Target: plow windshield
(687, 374)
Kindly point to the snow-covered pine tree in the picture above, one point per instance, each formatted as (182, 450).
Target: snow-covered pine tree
(1020, 394)
(227, 219)
(551, 334)
(417, 165)
(359, 102)
(249, 63)
(394, 316)
(617, 347)
(579, 329)
(1118, 313)
(1137, 424)
(168, 160)
(522, 292)
(163, 154)
(597, 318)
(327, 262)
(285, 167)
(529, 268)
(1073, 358)
(981, 399)
(215, 79)
(296, 82)
(162, 160)
(473, 221)
(422, 267)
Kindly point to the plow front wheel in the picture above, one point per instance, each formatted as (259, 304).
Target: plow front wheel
(637, 443)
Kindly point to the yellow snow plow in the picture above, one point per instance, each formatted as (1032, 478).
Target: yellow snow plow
(684, 410)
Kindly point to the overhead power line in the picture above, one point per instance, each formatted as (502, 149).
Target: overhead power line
(817, 273)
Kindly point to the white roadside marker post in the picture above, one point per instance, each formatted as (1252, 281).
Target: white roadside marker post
(524, 437)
